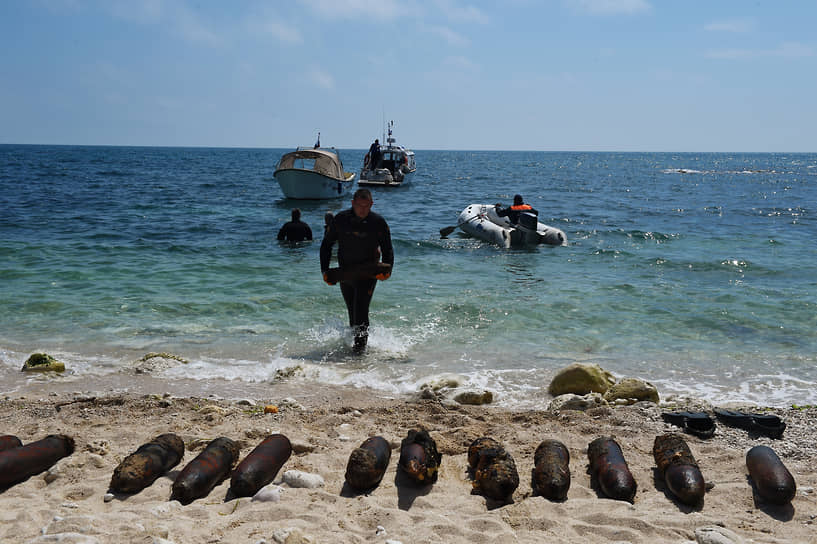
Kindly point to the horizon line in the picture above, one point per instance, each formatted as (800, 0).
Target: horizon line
(412, 149)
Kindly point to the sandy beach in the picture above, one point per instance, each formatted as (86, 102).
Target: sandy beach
(68, 503)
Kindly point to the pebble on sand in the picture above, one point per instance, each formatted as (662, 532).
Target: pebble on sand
(269, 493)
(298, 478)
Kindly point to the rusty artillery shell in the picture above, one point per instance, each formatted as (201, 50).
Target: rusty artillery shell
(150, 461)
(9, 441)
(772, 479)
(419, 457)
(367, 463)
(608, 467)
(551, 470)
(494, 470)
(681, 472)
(206, 471)
(17, 464)
(260, 466)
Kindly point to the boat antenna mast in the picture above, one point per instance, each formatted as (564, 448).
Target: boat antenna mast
(390, 140)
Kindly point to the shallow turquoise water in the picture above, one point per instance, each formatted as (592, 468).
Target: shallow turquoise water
(694, 271)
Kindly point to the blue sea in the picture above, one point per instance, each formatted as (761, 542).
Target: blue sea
(694, 271)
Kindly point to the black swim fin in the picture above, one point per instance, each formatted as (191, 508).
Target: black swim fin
(700, 424)
(764, 424)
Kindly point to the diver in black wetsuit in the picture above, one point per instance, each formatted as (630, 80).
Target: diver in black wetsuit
(363, 237)
(327, 220)
(295, 230)
(374, 154)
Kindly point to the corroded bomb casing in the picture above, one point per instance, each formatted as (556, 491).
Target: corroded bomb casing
(17, 464)
(772, 479)
(9, 441)
(494, 470)
(610, 470)
(367, 463)
(419, 457)
(260, 466)
(207, 470)
(150, 461)
(551, 470)
(477, 446)
(680, 470)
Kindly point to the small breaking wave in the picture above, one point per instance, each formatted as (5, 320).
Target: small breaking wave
(693, 171)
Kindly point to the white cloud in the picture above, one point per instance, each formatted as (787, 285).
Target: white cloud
(359, 9)
(784, 50)
(728, 54)
(611, 7)
(281, 31)
(461, 14)
(144, 12)
(731, 25)
(268, 22)
(193, 29)
(449, 35)
(176, 16)
(460, 63)
(793, 50)
(321, 78)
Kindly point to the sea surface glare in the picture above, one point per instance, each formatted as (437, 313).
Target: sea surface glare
(694, 271)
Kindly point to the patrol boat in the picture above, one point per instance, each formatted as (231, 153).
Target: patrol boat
(395, 167)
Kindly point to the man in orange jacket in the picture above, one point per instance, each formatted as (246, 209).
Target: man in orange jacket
(512, 212)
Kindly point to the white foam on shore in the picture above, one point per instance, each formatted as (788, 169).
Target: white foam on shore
(387, 367)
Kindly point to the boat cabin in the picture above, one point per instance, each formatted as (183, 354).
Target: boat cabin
(322, 161)
(391, 160)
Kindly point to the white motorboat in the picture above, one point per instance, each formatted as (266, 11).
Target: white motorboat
(313, 173)
(482, 221)
(395, 167)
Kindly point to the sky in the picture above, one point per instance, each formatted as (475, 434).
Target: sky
(550, 75)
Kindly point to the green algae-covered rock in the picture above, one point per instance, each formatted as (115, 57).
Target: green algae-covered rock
(581, 379)
(571, 401)
(632, 390)
(474, 397)
(42, 362)
(155, 362)
(443, 382)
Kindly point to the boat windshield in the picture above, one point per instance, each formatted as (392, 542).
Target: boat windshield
(318, 161)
